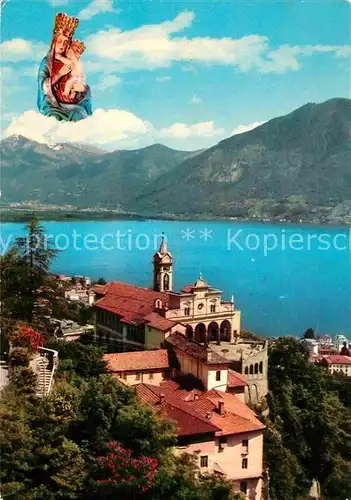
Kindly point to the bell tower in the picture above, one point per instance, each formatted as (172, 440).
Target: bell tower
(163, 272)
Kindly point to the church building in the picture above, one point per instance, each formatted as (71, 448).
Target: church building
(130, 317)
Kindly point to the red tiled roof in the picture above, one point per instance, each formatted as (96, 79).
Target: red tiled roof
(132, 303)
(328, 350)
(170, 384)
(146, 395)
(195, 350)
(157, 321)
(188, 421)
(137, 360)
(335, 359)
(235, 379)
(237, 417)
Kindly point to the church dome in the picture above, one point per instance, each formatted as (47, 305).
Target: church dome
(201, 283)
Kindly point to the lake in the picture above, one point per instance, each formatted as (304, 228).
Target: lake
(284, 278)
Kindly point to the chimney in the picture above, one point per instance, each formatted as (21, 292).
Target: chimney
(221, 407)
(208, 415)
(208, 354)
(196, 397)
(162, 398)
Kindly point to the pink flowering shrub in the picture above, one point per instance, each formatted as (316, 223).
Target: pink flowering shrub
(34, 339)
(121, 469)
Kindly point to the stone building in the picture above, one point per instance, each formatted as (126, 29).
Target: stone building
(250, 358)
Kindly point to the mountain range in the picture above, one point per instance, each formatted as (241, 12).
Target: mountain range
(294, 167)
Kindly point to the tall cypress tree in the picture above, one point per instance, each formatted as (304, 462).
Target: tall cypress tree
(34, 248)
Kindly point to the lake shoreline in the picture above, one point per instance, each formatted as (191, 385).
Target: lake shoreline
(25, 215)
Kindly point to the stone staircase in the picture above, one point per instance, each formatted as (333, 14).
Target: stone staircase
(44, 366)
(4, 375)
(44, 376)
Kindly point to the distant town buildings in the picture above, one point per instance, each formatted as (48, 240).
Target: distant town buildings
(334, 354)
(77, 288)
(340, 342)
(79, 293)
(337, 364)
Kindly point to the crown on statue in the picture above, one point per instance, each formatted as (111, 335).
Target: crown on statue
(65, 25)
(78, 46)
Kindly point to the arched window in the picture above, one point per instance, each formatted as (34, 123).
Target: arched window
(261, 367)
(189, 332)
(187, 311)
(251, 369)
(256, 368)
(166, 282)
(213, 308)
(243, 487)
(158, 304)
(246, 370)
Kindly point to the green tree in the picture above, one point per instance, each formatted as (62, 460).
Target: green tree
(313, 425)
(16, 439)
(179, 478)
(79, 360)
(309, 334)
(101, 281)
(35, 249)
(19, 356)
(345, 351)
(24, 381)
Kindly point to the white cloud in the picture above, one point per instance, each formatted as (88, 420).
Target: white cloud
(103, 127)
(286, 57)
(240, 129)
(163, 79)
(19, 49)
(96, 7)
(160, 45)
(108, 82)
(113, 128)
(196, 100)
(184, 131)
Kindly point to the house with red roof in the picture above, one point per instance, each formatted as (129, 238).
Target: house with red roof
(130, 368)
(336, 363)
(224, 433)
(130, 318)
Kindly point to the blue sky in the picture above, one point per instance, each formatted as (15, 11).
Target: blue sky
(186, 74)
